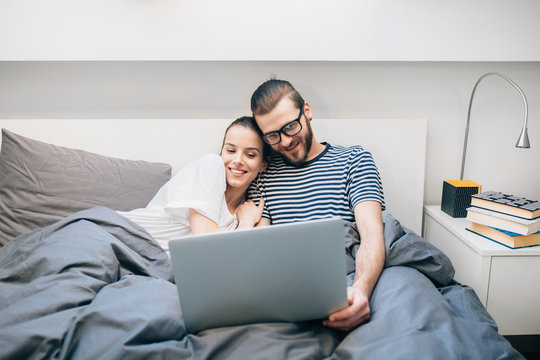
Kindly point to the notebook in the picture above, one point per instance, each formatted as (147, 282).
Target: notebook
(278, 273)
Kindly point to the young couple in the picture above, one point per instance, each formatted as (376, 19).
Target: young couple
(301, 180)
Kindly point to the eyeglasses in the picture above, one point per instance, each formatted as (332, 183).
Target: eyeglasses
(290, 129)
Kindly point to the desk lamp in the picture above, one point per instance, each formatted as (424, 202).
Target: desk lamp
(456, 197)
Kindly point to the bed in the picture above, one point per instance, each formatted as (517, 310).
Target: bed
(77, 280)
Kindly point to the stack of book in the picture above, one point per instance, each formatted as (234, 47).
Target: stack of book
(510, 220)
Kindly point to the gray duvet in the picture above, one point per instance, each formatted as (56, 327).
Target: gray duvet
(95, 286)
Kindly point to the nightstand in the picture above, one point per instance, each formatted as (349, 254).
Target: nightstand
(506, 280)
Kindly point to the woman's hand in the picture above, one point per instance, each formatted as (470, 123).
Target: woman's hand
(249, 214)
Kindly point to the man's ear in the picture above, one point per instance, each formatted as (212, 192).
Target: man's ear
(307, 110)
(264, 166)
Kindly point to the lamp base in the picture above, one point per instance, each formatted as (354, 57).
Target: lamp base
(456, 196)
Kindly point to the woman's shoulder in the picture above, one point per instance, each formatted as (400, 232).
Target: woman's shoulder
(211, 161)
(211, 157)
(205, 167)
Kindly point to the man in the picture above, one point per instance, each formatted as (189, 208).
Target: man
(310, 180)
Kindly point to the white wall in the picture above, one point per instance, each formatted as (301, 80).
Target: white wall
(365, 30)
(382, 59)
(437, 91)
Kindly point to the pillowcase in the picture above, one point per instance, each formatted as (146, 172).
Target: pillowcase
(41, 183)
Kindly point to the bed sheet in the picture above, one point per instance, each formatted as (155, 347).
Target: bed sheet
(96, 286)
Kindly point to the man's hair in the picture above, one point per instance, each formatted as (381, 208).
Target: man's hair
(269, 94)
(249, 123)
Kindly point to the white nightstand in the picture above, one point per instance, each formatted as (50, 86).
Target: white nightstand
(506, 280)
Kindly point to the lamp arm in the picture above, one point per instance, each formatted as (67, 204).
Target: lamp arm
(469, 113)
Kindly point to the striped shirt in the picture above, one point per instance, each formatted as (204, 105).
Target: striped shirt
(329, 185)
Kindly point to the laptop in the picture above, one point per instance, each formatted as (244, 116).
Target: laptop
(277, 273)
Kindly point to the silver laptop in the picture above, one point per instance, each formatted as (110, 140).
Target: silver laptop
(290, 272)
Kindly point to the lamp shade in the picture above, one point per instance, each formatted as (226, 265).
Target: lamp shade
(523, 141)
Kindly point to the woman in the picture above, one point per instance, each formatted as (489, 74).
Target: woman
(209, 193)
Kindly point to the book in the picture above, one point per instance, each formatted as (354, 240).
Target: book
(503, 237)
(507, 204)
(503, 221)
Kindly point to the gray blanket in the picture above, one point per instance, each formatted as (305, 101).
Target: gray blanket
(95, 286)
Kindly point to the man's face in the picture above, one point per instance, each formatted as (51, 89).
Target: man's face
(295, 148)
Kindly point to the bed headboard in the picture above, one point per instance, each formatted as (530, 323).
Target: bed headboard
(398, 146)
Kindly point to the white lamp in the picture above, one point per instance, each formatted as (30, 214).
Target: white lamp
(456, 194)
(523, 141)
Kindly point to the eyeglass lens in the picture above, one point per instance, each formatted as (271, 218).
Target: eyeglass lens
(290, 129)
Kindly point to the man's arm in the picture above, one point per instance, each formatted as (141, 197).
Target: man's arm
(369, 264)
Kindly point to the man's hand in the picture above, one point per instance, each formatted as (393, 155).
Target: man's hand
(356, 313)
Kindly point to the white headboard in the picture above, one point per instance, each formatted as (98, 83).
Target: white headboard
(398, 146)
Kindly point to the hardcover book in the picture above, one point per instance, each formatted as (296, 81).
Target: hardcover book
(503, 237)
(508, 204)
(503, 221)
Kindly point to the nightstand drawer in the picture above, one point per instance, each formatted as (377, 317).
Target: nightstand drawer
(514, 294)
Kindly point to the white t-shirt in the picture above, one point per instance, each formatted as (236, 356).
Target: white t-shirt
(200, 185)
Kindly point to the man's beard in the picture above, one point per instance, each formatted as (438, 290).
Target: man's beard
(307, 141)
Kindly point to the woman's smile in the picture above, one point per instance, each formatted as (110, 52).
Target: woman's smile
(237, 172)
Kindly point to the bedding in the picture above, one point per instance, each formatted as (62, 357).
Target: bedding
(41, 183)
(96, 286)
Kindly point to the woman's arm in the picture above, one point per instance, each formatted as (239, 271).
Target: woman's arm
(249, 214)
(264, 222)
(200, 224)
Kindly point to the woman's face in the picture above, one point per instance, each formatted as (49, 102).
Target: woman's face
(242, 154)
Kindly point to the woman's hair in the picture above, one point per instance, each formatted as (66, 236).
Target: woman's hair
(269, 94)
(249, 123)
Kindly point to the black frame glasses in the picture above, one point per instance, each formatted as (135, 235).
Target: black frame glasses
(286, 129)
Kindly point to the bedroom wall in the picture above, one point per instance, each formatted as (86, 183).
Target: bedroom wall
(437, 91)
(357, 59)
(366, 30)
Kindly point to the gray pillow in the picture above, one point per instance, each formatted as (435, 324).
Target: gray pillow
(41, 183)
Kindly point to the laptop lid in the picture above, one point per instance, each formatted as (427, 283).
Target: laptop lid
(278, 273)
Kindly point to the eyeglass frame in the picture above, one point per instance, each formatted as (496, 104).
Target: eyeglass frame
(282, 130)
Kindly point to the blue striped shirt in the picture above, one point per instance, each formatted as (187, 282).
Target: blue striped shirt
(329, 185)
